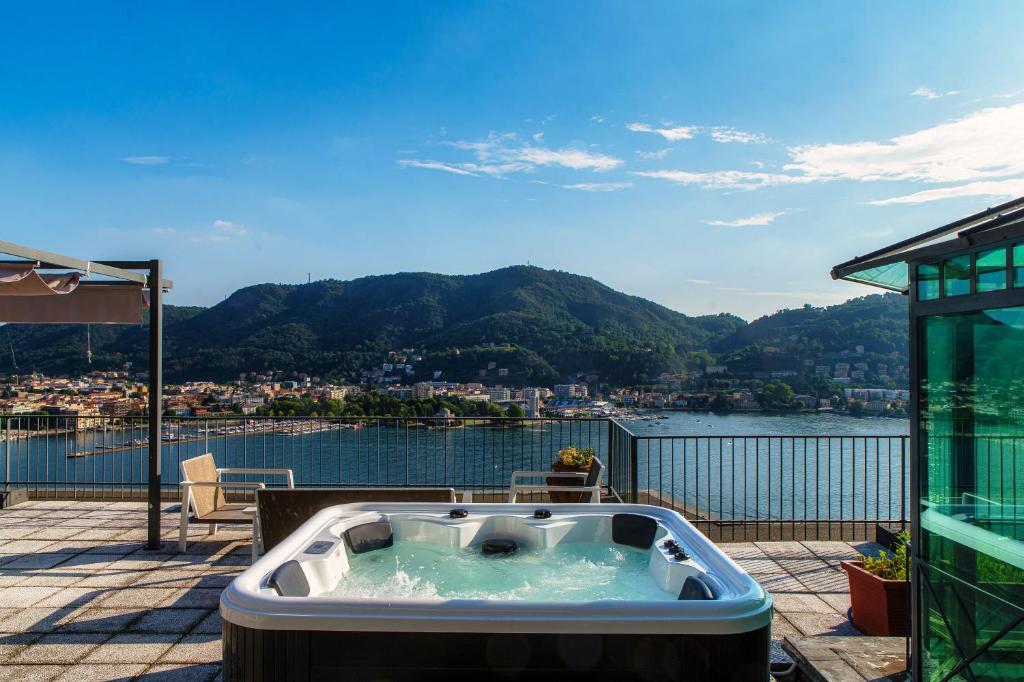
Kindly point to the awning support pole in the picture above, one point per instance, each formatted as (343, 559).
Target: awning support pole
(156, 383)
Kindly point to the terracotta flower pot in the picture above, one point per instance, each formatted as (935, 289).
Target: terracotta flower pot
(560, 497)
(880, 607)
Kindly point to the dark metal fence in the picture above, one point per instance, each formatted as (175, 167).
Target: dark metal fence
(737, 488)
(79, 457)
(733, 488)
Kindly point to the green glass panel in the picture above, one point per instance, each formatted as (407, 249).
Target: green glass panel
(892, 276)
(956, 276)
(1018, 265)
(990, 270)
(927, 282)
(971, 459)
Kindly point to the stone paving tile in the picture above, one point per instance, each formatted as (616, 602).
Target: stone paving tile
(197, 597)
(164, 620)
(777, 550)
(74, 546)
(781, 583)
(100, 620)
(176, 578)
(195, 649)
(73, 596)
(181, 673)
(14, 532)
(839, 601)
(108, 579)
(35, 619)
(25, 546)
(211, 625)
(799, 603)
(19, 596)
(59, 648)
(830, 623)
(757, 567)
(30, 673)
(742, 550)
(53, 533)
(132, 648)
(135, 597)
(102, 672)
(801, 566)
(49, 578)
(38, 560)
(14, 578)
(828, 580)
(11, 645)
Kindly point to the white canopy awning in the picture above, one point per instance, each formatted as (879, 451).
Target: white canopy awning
(28, 296)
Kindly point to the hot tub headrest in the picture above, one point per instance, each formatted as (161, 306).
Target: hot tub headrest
(367, 537)
(695, 587)
(289, 580)
(634, 530)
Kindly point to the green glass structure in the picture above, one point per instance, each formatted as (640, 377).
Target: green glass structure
(965, 282)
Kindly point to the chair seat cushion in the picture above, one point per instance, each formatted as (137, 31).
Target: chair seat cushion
(227, 513)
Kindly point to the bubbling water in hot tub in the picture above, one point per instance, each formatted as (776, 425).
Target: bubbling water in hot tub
(568, 572)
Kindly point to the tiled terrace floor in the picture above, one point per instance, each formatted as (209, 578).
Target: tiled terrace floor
(81, 598)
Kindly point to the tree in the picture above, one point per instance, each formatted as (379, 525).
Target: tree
(721, 403)
(515, 411)
(776, 396)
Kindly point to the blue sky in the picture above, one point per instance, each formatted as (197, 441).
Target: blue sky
(711, 158)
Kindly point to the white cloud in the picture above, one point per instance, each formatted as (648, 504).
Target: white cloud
(658, 155)
(599, 186)
(147, 160)
(757, 219)
(222, 231)
(731, 179)
(434, 165)
(500, 155)
(703, 282)
(725, 134)
(1013, 187)
(928, 93)
(597, 119)
(672, 134)
(985, 144)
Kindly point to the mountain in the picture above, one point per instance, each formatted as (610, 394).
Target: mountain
(796, 338)
(543, 326)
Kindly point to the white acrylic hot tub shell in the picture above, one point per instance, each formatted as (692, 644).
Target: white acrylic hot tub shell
(743, 606)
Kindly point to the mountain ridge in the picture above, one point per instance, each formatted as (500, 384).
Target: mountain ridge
(555, 324)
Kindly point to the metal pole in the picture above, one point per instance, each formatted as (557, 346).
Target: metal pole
(156, 380)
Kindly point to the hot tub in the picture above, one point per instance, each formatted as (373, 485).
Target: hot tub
(376, 591)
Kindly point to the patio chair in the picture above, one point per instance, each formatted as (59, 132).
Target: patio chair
(591, 482)
(280, 511)
(202, 495)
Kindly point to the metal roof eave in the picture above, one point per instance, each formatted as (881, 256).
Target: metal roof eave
(900, 250)
(49, 260)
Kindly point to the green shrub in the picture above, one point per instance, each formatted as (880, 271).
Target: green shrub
(890, 566)
(576, 458)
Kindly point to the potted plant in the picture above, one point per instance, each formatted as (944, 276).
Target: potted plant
(880, 592)
(570, 459)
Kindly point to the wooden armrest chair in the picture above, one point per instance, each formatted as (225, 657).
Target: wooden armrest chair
(591, 482)
(202, 494)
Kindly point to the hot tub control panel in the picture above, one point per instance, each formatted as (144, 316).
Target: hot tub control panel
(320, 547)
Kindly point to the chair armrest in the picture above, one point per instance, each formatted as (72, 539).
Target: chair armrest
(222, 484)
(552, 474)
(276, 472)
(557, 488)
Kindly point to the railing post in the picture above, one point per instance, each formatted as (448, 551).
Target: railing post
(634, 469)
(155, 402)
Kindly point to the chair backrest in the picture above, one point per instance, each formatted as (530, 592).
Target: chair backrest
(282, 510)
(202, 469)
(594, 475)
